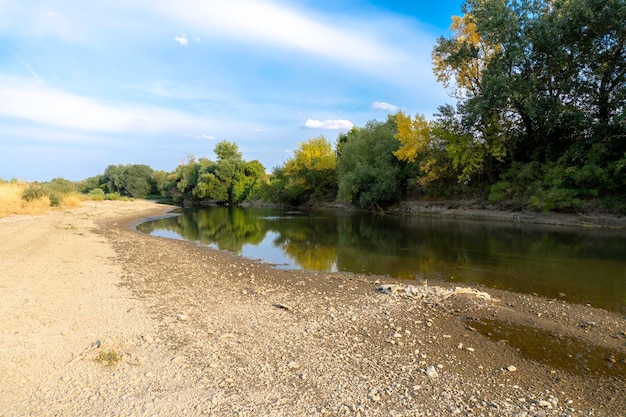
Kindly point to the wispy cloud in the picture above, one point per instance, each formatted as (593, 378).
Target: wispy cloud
(381, 105)
(182, 40)
(266, 22)
(205, 137)
(29, 69)
(37, 102)
(338, 124)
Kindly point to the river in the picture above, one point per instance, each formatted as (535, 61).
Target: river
(578, 265)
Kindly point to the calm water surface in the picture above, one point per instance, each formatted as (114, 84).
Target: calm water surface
(577, 265)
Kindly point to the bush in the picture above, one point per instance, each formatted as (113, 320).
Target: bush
(116, 197)
(97, 194)
(33, 192)
(55, 199)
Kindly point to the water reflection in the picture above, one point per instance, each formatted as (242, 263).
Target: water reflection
(578, 265)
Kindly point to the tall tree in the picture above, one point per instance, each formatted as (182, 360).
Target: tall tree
(369, 173)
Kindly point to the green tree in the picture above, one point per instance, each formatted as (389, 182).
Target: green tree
(369, 174)
(229, 180)
(542, 81)
(133, 180)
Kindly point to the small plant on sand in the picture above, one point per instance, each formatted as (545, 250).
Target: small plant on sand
(108, 357)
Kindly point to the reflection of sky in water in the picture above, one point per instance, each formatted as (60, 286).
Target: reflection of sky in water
(264, 251)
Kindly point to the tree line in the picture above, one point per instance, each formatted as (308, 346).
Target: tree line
(537, 123)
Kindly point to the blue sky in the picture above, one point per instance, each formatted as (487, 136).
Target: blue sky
(87, 84)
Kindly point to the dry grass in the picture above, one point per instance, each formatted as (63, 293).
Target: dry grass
(73, 200)
(11, 201)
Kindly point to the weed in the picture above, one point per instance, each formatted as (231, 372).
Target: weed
(108, 358)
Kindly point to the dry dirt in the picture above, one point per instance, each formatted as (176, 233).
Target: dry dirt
(202, 332)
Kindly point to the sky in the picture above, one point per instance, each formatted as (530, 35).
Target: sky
(88, 84)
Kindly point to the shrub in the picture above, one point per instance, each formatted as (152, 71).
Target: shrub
(55, 199)
(97, 194)
(33, 192)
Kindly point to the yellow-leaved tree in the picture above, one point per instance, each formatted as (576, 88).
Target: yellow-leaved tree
(312, 172)
(415, 137)
(459, 61)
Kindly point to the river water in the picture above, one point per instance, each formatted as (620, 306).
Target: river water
(578, 265)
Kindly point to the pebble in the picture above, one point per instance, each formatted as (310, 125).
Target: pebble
(544, 404)
(431, 372)
(511, 368)
(182, 317)
(374, 395)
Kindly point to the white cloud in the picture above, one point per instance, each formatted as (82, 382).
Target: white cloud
(182, 40)
(381, 105)
(338, 124)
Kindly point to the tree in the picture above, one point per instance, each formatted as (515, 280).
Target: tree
(537, 81)
(133, 180)
(312, 172)
(369, 174)
(230, 180)
(459, 61)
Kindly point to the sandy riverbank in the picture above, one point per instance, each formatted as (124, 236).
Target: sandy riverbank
(201, 332)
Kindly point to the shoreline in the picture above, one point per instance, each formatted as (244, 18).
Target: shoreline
(204, 332)
(469, 211)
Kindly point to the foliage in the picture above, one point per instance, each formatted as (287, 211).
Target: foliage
(33, 192)
(369, 174)
(229, 180)
(541, 84)
(459, 61)
(133, 180)
(97, 194)
(311, 174)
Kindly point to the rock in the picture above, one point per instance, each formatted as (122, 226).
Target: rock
(283, 306)
(182, 317)
(431, 372)
(374, 395)
(293, 365)
(511, 368)
(544, 404)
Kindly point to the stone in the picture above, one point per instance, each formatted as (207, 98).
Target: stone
(182, 317)
(544, 404)
(431, 372)
(511, 368)
(283, 306)
(374, 395)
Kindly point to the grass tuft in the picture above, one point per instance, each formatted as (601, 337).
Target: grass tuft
(108, 358)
